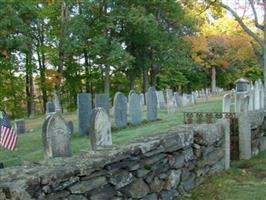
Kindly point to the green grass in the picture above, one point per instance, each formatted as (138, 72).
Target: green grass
(30, 148)
(246, 180)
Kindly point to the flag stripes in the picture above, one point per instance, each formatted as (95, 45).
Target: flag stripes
(8, 137)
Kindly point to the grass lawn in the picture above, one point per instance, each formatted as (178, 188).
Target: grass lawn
(30, 148)
(246, 180)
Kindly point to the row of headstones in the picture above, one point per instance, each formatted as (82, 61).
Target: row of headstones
(120, 108)
(57, 138)
(252, 100)
(172, 100)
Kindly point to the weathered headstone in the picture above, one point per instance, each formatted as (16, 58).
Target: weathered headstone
(50, 107)
(100, 129)
(227, 103)
(84, 112)
(161, 100)
(178, 100)
(142, 100)
(102, 100)
(70, 127)
(251, 98)
(184, 100)
(261, 88)
(120, 110)
(151, 104)
(257, 96)
(56, 136)
(135, 109)
(170, 101)
(57, 104)
(20, 126)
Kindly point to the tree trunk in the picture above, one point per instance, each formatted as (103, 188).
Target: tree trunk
(213, 74)
(107, 80)
(29, 86)
(153, 76)
(145, 80)
(42, 68)
(87, 72)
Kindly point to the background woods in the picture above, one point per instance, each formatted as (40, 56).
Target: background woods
(71, 46)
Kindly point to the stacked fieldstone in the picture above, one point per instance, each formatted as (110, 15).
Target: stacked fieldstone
(163, 166)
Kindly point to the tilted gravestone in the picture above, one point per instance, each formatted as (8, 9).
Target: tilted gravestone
(102, 100)
(100, 129)
(56, 136)
(84, 112)
(120, 110)
(20, 126)
(151, 104)
(161, 100)
(50, 107)
(135, 108)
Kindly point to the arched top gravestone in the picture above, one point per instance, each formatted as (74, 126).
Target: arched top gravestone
(56, 137)
(151, 104)
(100, 129)
(120, 110)
(135, 108)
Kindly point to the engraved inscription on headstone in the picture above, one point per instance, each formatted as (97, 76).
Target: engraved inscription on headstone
(56, 137)
(100, 129)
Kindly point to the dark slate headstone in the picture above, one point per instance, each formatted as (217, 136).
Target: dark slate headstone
(50, 107)
(56, 137)
(84, 112)
(102, 100)
(135, 108)
(120, 110)
(100, 129)
(70, 127)
(20, 126)
(151, 104)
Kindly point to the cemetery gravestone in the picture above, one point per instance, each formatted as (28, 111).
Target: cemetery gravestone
(57, 103)
(170, 101)
(142, 101)
(261, 88)
(257, 96)
(251, 98)
(50, 107)
(56, 137)
(84, 112)
(185, 100)
(102, 100)
(151, 104)
(178, 100)
(20, 126)
(160, 98)
(227, 103)
(100, 129)
(120, 110)
(135, 109)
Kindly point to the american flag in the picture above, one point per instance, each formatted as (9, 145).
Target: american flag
(8, 136)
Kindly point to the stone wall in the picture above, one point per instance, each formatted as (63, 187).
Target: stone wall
(163, 166)
(258, 131)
